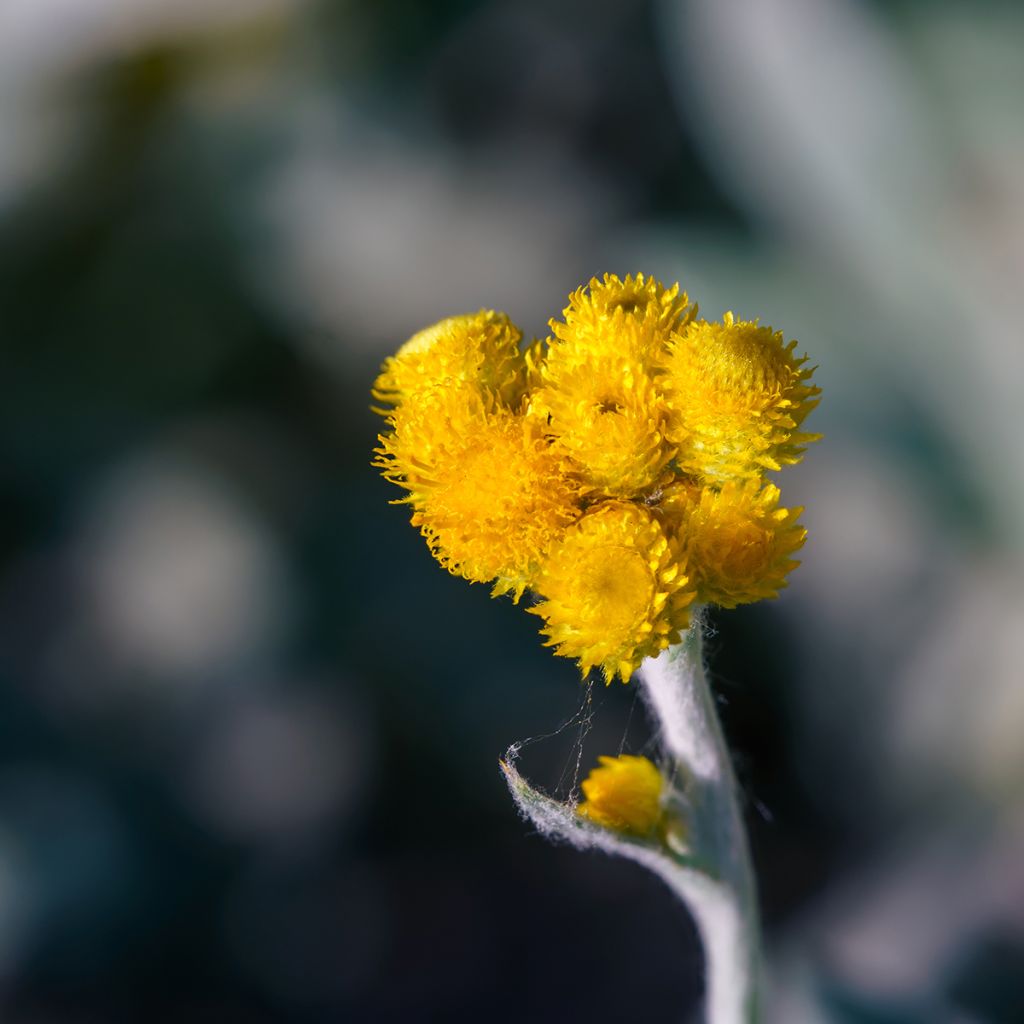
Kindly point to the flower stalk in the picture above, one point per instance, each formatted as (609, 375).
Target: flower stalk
(701, 850)
(724, 900)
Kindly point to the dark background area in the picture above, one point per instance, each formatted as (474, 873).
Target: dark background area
(249, 730)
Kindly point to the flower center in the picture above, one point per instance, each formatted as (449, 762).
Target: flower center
(747, 552)
(619, 587)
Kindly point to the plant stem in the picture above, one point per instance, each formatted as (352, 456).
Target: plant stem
(722, 896)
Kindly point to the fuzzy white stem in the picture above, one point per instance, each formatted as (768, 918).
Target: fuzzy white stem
(674, 688)
(723, 901)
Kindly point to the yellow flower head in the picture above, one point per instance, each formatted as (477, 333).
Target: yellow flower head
(481, 349)
(615, 469)
(608, 418)
(738, 395)
(738, 542)
(614, 591)
(624, 794)
(630, 318)
(487, 492)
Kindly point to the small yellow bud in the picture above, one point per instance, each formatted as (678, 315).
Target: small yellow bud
(623, 794)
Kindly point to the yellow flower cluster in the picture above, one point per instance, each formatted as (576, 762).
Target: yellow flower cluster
(616, 469)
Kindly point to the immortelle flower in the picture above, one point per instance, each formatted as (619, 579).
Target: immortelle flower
(480, 349)
(614, 591)
(609, 420)
(623, 794)
(486, 490)
(598, 394)
(632, 317)
(738, 543)
(617, 470)
(738, 395)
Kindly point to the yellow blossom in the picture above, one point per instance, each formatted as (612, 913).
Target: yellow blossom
(487, 491)
(481, 349)
(614, 591)
(738, 542)
(739, 395)
(623, 794)
(631, 317)
(616, 469)
(608, 418)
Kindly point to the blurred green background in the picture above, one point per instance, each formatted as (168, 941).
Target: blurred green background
(249, 730)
